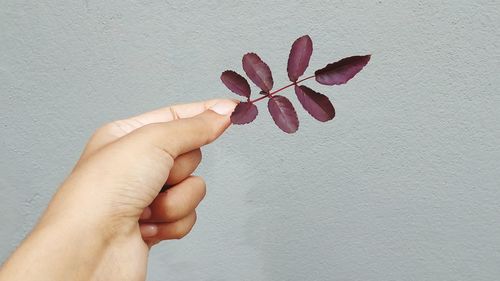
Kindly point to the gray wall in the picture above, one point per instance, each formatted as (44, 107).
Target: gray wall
(402, 185)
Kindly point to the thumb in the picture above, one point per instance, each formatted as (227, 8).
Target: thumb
(184, 135)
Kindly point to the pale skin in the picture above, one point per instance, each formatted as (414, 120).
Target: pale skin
(109, 212)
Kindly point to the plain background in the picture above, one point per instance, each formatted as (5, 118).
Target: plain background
(402, 185)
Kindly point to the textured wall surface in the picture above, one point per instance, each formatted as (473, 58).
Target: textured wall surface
(404, 184)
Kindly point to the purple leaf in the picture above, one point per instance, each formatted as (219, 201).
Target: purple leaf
(298, 60)
(340, 72)
(236, 83)
(283, 114)
(258, 71)
(244, 113)
(318, 105)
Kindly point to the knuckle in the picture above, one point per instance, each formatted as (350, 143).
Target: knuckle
(172, 211)
(199, 181)
(149, 127)
(105, 129)
(203, 186)
(104, 132)
(183, 229)
(195, 218)
(198, 155)
(117, 128)
(181, 233)
(169, 205)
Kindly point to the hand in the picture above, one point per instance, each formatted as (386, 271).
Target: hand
(107, 214)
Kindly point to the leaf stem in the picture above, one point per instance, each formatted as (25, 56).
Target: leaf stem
(281, 89)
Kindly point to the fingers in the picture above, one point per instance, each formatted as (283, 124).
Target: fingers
(184, 165)
(178, 201)
(164, 231)
(178, 229)
(117, 129)
(183, 135)
(172, 214)
(146, 213)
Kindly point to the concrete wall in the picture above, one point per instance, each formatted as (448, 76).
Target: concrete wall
(402, 185)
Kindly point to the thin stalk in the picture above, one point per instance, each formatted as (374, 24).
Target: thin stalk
(281, 89)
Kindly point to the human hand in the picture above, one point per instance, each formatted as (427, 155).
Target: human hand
(109, 212)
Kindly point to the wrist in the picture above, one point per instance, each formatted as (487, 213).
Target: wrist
(84, 211)
(56, 250)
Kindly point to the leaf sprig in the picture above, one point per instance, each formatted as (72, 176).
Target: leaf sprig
(280, 107)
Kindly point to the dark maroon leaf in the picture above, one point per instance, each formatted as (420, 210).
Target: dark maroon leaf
(244, 113)
(340, 72)
(258, 71)
(283, 114)
(318, 105)
(298, 60)
(236, 83)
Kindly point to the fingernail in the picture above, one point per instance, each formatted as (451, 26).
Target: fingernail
(149, 230)
(224, 107)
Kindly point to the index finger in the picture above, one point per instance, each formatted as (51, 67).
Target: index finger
(117, 129)
(183, 135)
